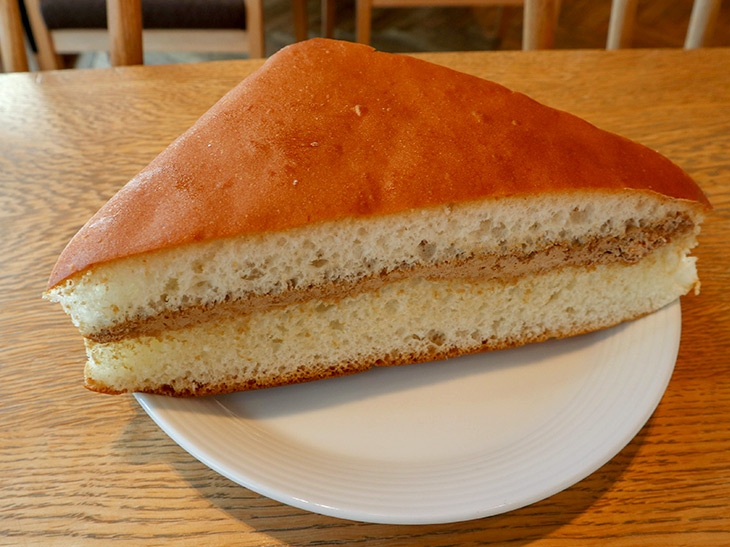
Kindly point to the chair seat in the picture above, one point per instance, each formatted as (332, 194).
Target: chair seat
(156, 14)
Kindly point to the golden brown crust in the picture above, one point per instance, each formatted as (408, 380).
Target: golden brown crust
(329, 129)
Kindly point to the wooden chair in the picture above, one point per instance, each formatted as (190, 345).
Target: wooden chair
(123, 36)
(539, 19)
(12, 38)
(699, 33)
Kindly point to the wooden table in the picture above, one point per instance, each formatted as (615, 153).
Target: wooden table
(78, 467)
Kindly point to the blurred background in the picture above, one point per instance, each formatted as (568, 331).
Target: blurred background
(581, 24)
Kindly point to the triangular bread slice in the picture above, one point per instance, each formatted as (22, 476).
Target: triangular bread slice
(343, 208)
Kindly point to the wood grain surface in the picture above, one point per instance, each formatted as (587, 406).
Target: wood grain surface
(80, 468)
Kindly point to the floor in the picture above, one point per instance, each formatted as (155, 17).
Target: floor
(582, 24)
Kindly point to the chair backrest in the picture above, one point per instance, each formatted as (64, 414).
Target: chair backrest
(124, 20)
(12, 41)
(539, 18)
(701, 23)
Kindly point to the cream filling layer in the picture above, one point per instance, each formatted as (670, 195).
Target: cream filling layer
(409, 320)
(113, 296)
(633, 246)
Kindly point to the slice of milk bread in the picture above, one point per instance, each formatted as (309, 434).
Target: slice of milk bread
(342, 208)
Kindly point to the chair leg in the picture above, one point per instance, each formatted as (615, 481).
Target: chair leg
(364, 20)
(48, 59)
(301, 24)
(328, 18)
(124, 19)
(621, 24)
(255, 27)
(12, 38)
(540, 19)
(701, 23)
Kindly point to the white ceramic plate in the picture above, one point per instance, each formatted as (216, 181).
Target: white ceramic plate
(438, 442)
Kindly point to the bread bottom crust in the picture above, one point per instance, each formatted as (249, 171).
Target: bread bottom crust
(408, 321)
